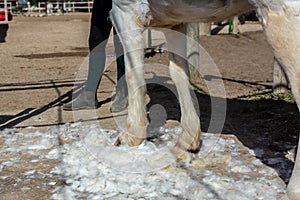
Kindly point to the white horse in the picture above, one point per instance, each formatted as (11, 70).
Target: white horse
(281, 24)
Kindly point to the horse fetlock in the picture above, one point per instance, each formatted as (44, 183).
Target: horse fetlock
(134, 135)
(189, 142)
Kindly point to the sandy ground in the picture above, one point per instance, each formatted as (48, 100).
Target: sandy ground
(42, 56)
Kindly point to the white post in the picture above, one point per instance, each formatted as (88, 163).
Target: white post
(10, 6)
(28, 7)
(236, 23)
(5, 10)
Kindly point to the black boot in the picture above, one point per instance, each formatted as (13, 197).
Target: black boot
(86, 100)
(120, 101)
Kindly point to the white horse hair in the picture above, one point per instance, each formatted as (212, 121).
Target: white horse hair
(281, 23)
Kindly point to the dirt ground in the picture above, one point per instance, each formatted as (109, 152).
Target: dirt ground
(43, 55)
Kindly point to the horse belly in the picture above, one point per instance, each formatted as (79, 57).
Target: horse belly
(172, 12)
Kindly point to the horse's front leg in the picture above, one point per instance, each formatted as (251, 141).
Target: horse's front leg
(127, 25)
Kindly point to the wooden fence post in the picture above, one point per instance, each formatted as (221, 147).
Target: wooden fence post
(280, 81)
(192, 30)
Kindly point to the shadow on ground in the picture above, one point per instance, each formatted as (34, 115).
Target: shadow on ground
(268, 127)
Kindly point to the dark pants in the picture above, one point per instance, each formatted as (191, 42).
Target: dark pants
(99, 34)
(3, 32)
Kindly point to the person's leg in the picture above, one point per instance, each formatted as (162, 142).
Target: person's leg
(97, 57)
(99, 33)
(3, 32)
(120, 101)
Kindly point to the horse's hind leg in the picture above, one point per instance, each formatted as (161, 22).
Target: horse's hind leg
(190, 138)
(281, 23)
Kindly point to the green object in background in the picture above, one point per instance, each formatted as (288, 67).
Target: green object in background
(231, 26)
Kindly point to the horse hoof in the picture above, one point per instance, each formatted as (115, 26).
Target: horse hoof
(193, 148)
(129, 139)
(188, 143)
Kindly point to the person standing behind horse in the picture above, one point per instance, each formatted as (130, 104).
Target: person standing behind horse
(99, 33)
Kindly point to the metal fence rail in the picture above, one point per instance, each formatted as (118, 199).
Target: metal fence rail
(69, 6)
